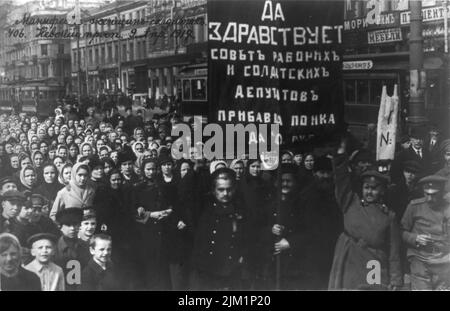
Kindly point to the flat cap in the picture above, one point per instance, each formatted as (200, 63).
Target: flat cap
(69, 216)
(88, 213)
(38, 200)
(41, 236)
(7, 179)
(13, 195)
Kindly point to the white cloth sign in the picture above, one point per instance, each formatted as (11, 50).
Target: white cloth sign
(387, 125)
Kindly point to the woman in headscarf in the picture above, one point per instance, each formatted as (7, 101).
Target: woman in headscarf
(152, 209)
(74, 151)
(108, 165)
(50, 185)
(28, 179)
(306, 171)
(65, 174)
(78, 193)
(256, 194)
(38, 160)
(62, 152)
(116, 218)
(86, 149)
(43, 147)
(13, 277)
(216, 164)
(238, 166)
(12, 166)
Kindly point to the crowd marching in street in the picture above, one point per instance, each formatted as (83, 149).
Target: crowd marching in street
(95, 201)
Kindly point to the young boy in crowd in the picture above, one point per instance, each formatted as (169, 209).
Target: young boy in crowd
(100, 274)
(88, 225)
(50, 274)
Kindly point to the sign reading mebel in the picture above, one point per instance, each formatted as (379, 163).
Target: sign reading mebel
(277, 62)
(384, 36)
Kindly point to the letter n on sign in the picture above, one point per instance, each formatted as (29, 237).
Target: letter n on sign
(387, 125)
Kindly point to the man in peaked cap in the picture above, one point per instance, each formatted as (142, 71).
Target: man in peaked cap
(12, 201)
(7, 183)
(425, 229)
(68, 247)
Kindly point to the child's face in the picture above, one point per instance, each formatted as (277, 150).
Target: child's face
(102, 251)
(87, 227)
(70, 231)
(42, 250)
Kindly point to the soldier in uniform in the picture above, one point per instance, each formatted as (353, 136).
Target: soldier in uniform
(12, 201)
(371, 232)
(219, 244)
(425, 227)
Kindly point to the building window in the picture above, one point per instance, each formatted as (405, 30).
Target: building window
(131, 51)
(109, 59)
(60, 48)
(124, 52)
(90, 58)
(44, 50)
(44, 70)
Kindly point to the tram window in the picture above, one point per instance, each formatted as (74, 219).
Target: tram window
(362, 92)
(350, 92)
(198, 87)
(186, 90)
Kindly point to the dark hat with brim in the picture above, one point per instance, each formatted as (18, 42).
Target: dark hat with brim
(125, 156)
(323, 164)
(375, 175)
(412, 167)
(13, 195)
(94, 162)
(41, 236)
(433, 183)
(69, 216)
(418, 132)
(164, 158)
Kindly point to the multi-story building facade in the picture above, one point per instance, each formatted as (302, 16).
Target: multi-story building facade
(36, 64)
(378, 54)
(147, 56)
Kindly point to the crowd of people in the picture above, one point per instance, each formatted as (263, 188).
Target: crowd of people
(97, 202)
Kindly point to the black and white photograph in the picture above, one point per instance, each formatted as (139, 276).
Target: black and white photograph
(240, 146)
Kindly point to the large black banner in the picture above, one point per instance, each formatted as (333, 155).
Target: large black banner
(277, 62)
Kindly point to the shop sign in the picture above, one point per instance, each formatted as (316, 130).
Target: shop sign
(384, 36)
(357, 65)
(93, 73)
(390, 19)
(428, 15)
